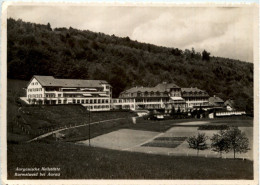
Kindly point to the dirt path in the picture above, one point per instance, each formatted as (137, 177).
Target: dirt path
(66, 128)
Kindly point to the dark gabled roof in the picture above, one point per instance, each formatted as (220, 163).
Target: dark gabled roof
(215, 99)
(50, 81)
(162, 87)
(139, 89)
(191, 90)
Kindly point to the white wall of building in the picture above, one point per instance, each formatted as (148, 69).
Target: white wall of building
(35, 90)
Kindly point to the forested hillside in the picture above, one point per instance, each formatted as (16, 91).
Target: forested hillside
(71, 53)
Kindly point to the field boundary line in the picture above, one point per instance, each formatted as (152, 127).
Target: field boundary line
(144, 141)
(66, 128)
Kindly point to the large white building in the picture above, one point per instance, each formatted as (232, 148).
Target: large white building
(95, 95)
(163, 96)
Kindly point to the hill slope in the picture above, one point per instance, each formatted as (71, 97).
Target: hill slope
(70, 53)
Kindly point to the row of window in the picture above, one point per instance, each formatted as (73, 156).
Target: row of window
(34, 89)
(90, 101)
(125, 106)
(77, 95)
(194, 93)
(98, 107)
(88, 107)
(50, 95)
(94, 101)
(151, 100)
(123, 101)
(196, 99)
(35, 96)
(145, 94)
(35, 83)
(176, 94)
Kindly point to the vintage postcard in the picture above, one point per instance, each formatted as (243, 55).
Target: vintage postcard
(129, 93)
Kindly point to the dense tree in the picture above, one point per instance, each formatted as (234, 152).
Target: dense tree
(198, 142)
(219, 142)
(205, 55)
(237, 141)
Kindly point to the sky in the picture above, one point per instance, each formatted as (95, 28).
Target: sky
(222, 31)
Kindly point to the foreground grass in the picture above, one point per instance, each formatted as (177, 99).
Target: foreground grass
(81, 162)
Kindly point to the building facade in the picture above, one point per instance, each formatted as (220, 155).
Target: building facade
(95, 95)
(195, 97)
(163, 96)
(216, 102)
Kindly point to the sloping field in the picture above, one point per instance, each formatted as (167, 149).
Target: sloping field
(58, 115)
(37, 120)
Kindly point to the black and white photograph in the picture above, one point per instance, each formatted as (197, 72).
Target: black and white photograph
(110, 91)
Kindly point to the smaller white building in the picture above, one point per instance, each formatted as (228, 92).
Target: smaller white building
(95, 95)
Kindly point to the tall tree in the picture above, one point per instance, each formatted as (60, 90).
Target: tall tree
(49, 26)
(205, 55)
(198, 142)
(219, 142)
(237, 141)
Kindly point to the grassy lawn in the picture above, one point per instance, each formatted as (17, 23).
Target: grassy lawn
(82, 133)
(81, 162)
(55, 116)
(42, 119)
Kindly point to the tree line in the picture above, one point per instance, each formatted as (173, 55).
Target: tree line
(124, 63)
(226, 140)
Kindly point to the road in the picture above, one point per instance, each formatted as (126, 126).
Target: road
(66, 128)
